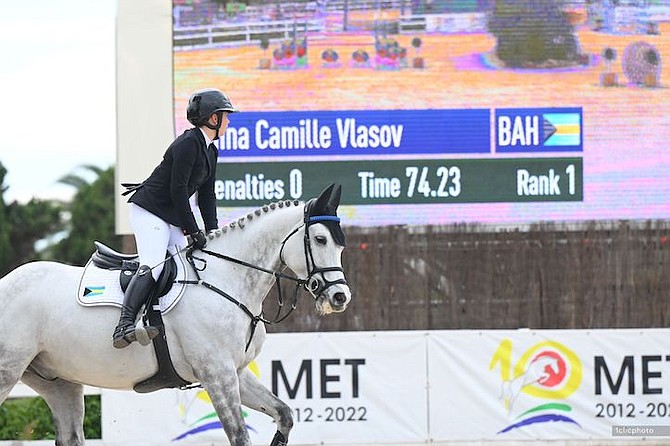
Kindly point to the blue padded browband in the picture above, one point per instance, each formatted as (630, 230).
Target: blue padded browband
(324, 218)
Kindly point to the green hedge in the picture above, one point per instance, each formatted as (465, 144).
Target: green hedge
(30, 419)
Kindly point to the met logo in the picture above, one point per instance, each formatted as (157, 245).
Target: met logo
(538, 130)
(326, 374)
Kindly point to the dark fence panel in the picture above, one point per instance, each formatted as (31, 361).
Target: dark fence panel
(469, 277)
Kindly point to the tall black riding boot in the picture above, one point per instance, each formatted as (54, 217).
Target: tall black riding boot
(136, 295)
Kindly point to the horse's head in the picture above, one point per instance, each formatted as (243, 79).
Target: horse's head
(317, 255)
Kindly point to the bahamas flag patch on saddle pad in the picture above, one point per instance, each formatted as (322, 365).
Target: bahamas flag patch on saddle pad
(100, 286)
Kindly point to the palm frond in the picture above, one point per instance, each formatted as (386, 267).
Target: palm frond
(78, 181)
(73, 180)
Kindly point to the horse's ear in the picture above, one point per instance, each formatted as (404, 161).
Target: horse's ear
(322, 200)
(334, 200)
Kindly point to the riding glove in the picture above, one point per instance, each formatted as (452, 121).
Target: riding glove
(199, 240)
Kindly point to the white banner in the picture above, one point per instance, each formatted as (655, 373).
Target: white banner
(344, 388)
(550, 385)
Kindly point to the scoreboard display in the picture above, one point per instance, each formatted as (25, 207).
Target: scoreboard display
(404, 157)
(422, 124)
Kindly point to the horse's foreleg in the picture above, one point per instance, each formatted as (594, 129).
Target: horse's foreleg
(255, 396)
(11, 369)
(224, 391)
(8, 380)
(66, 401)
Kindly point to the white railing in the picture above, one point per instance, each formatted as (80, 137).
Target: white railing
(412, 23)
(221, 35)
(456, 22)
(365, 5)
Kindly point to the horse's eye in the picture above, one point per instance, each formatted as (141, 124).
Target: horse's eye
(321, 240)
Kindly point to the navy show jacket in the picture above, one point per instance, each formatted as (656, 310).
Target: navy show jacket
(188, 166)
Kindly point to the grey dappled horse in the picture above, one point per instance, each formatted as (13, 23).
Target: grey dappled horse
(55, 346)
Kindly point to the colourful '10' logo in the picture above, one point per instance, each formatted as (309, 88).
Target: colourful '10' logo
(548, 370)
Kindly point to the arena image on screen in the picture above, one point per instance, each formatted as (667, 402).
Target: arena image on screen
(378, 56)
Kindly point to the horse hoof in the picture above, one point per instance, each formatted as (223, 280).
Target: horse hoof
(279, 440)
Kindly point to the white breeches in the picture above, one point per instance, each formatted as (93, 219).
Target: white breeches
(154, 237)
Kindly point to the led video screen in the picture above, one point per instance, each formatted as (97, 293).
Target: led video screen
(437, 112)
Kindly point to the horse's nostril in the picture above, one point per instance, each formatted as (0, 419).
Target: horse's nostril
(339, 298)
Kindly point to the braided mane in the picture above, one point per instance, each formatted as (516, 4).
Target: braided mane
(241, 222)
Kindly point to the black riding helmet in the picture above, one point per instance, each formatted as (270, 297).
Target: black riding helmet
(204, 103)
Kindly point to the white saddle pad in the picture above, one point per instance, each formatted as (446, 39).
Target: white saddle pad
(100, 286)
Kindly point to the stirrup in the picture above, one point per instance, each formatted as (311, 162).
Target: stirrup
(124, 335)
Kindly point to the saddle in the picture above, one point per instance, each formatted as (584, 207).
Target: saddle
(106, 258)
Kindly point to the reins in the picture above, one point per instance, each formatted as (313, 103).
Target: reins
(255, 319)
(306, 283)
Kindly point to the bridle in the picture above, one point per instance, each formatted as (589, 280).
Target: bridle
(311, 284)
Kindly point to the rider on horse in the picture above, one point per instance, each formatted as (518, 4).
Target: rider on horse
(160, 212)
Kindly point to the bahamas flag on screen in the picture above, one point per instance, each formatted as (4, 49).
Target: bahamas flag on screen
(538, 130)
(562, 129)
